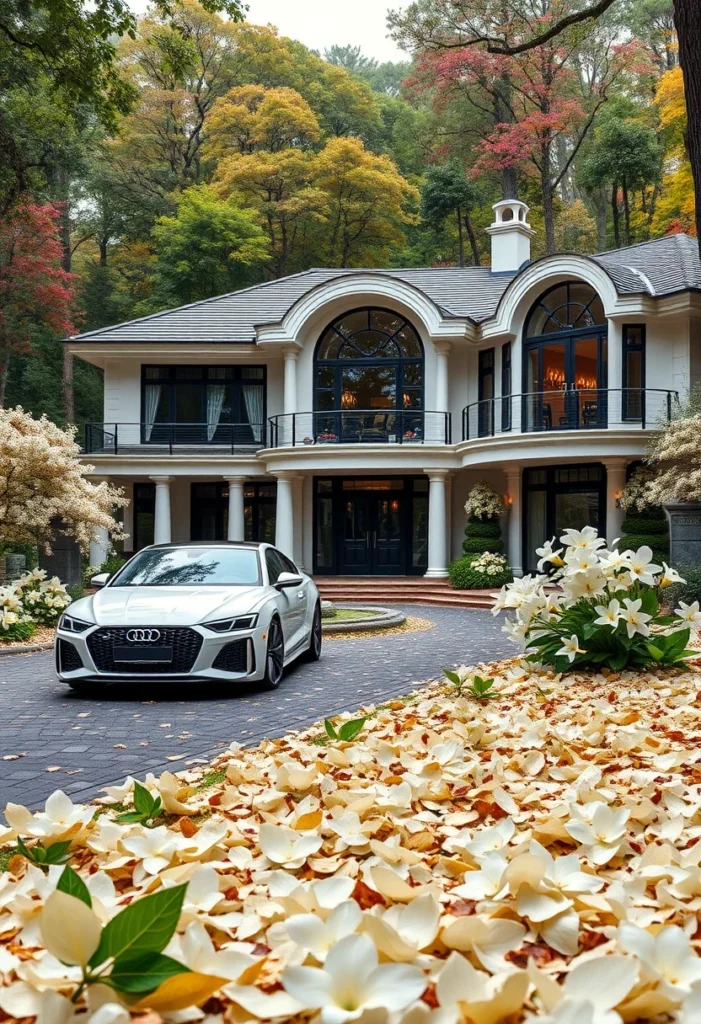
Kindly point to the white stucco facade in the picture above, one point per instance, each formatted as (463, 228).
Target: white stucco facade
(451, 450)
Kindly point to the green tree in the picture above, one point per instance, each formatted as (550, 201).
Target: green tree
(626, 157)
(446, 192)
(209, 247)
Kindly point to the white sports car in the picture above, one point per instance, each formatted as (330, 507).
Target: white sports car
(234, 612)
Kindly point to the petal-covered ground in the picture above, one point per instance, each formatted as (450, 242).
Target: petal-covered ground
(534, 855)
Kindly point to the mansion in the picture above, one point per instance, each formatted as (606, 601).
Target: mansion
(345, 414)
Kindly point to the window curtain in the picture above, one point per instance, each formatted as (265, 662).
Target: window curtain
(152, 397)
(253, 398)
(215, 401)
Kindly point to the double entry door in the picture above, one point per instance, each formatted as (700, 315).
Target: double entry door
(373, 540)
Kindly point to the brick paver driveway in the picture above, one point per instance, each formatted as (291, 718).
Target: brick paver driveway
(94, 742)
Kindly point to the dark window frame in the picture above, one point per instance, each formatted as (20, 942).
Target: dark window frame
(237, 379)
(551, 489)
(144, 495)
(486, 368)
(633, 411)
(506, 375)
(221, 502)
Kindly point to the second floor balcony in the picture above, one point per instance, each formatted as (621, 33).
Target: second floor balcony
(547, 412)
(174, 438)
(360, 426)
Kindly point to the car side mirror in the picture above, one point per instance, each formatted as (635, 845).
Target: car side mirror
(100, 580)
(288, 579)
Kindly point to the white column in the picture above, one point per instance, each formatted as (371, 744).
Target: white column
(289, 401)
(442, 352)
(284, 515)
(99, 546)
(298, 503)
(129, 517)
(236, 530)
(161, 525)
(449, 517)
(615, 484)
(437, 524)
(515, 536)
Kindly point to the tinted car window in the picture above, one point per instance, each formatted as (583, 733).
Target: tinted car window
(191, 567)
(288, 566)
(275, 564)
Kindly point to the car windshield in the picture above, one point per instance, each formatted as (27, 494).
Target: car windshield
(185, 567)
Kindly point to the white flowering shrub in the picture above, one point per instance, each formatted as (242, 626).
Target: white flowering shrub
(607, 614)
(490, 564)
(28, 601)
(484, 501)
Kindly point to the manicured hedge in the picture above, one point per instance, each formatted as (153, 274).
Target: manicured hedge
(464, 577)
(478, 545)
(647, 528)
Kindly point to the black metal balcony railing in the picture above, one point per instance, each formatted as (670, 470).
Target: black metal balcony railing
(173, 438)
(569, 409)
(360, 426)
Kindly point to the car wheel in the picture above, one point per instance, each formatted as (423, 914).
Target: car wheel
(274, 657)
(313, 652)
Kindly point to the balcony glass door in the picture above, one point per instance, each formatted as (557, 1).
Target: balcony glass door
(565, 382)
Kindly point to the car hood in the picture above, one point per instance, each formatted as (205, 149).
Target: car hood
(165, 606)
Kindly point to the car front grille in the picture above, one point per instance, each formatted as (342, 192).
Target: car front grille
(186, 644)
(68, 658)
(233, 657)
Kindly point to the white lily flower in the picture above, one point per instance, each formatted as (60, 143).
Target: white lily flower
(667, 957)
(402, 932)
(565, 873)
(464, 992)
(489, 939)
(585, 538)
(642, 567)
(614, 561)
(668, 577)
(609, 614)
(317, 936)
(285, 846)
(59, 817)
(352, 981)
(197, 951)
(547, 554)
(592, 987)
(689, 613)
(570, 648)
(154, 847)
(486, 883)
(635, 620)
(602, 834)
(491, 839)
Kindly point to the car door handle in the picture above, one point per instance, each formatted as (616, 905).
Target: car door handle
(300, 594)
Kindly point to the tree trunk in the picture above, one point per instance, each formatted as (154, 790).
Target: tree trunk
(473, 240)
(461, 244)
(601, 218)
(102, 242)
(626, 211)
(548, 208)
(614, 211)
(688, 25)
(68, 393)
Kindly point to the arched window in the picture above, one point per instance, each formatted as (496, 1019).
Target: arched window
(369, 359)
(564, 365)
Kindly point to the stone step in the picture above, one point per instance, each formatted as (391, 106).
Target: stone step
(400, 590)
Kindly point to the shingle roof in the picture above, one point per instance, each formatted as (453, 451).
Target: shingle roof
(660, 267)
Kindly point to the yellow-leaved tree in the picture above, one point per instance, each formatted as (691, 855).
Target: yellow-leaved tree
(676, 209)
(44, 486)
(250, 117)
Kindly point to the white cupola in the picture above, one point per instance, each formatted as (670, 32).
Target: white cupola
(511, 236)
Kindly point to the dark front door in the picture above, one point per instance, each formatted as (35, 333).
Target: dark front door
(560, 498)
(373, 538)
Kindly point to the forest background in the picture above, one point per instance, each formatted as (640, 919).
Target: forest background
(148, 164)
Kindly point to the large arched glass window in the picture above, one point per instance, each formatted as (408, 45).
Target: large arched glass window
(367, 361)
(564, 364)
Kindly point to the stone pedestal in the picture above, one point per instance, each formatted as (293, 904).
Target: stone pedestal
(684, 533)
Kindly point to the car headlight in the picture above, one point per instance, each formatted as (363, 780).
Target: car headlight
(72, 625)
(231, 625)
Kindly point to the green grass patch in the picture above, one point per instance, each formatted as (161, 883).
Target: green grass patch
(212, 778)
(6, 855)
(351, 615)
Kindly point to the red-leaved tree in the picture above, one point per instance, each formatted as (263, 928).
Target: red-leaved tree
(36, 294)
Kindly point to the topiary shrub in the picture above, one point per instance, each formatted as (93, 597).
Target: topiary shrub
(484, 528)
(647, 527)
(477, 545)
(480, 572)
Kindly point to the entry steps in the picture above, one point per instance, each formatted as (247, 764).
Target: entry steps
(401, 590)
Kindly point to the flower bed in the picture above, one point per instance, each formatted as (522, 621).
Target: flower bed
(31, 603)
(532, 855)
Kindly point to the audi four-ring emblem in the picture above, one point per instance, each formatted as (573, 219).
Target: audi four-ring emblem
(148, 636)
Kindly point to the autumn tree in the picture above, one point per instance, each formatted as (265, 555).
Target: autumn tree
(447, 192)
(675, 208)
(207, 248)
(35, 292)
(44, 487)
(251, 117)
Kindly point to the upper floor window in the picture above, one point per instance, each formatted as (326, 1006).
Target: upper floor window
(573, 306)
(370, 334)
(216, 404)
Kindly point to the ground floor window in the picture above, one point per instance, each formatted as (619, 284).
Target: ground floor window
(209, 511)
(561, 498)
(371, 526)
